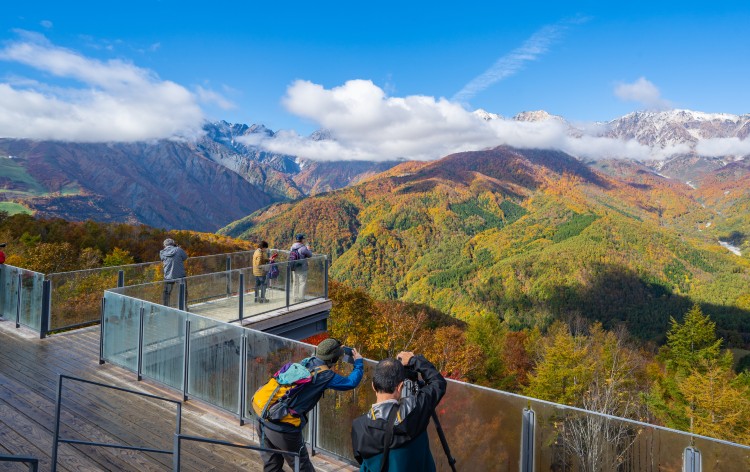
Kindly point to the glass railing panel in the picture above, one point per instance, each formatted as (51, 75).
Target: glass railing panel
(315, 278)
(307, 279)
(275, 290)
(206, 264)
(718, 456)
(214, 295)
(337, 411)
(164, 344)
(31, 299)
(121, 329)
(266, 354)
(154, 292)
(77, 296)
(214, 370)
(241, 260)
(9, 283)
(136, 274)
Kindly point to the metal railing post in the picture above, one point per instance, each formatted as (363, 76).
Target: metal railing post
(46, 302)
(101, 332)
(181, 303)
(288, 283)
(186, 369)
(19, 299)
(314, 429)
(243, 377)
(120, 278)
(176, 453)
(241, 297)
(327, 264)
(141, 316)
(57, 424)
(527, 440)
(692, 460)
(229, 276)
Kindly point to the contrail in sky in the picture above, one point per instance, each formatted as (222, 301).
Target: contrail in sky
(515, 60)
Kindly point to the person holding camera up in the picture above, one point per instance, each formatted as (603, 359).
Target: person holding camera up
(286, 433)
(392, 436)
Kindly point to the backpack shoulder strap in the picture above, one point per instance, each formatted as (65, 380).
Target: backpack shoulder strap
(389, 425)
(270, 399)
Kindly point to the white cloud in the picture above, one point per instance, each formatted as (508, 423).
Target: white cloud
(718, 147)
(114, 100)
(515, 60)
(366, 124)
(642, 91)
(211, 97)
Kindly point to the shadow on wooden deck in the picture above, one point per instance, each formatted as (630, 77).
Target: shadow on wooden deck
(29, 369)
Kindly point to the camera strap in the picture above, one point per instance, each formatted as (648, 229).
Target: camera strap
(389, 425)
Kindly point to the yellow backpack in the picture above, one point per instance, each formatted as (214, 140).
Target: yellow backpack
(273, 399)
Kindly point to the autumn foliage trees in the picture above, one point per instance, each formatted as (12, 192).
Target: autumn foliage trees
(56, 245)
(689, 385)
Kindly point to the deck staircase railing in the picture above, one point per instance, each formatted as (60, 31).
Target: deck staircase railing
(178, 438)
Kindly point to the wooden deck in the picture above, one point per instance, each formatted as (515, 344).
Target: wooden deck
(29, 369)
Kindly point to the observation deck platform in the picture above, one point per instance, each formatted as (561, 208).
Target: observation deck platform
(29, 369)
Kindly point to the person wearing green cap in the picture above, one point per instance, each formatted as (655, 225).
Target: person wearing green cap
(287, 437)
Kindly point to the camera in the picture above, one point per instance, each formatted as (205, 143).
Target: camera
(412, 384)
(3, 244)
(348, 355)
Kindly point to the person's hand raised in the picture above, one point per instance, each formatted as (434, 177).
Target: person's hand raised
(405, 357)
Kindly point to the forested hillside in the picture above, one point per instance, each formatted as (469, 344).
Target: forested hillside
(57, 245)
(528, 236)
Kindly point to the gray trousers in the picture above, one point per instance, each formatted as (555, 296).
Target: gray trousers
(293, 442)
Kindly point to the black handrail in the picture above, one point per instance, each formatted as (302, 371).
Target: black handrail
(178, 438)
(57, 440)
(32, 461)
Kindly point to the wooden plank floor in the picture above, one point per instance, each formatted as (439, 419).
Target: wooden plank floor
(29, 369)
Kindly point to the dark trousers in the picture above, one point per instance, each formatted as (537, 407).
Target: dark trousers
(260, 288)
(293, 442)
(167, 293)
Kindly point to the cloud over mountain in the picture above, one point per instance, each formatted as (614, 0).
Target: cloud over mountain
(105, 100)
(364, 123)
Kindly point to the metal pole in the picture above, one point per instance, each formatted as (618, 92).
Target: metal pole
(57, 424)
(186, 365)
(527, 440)
(176, 453)
(296, 463)
(327, 264)
(288, 282)
(692, 460)
(141, 316)
(101, 333)
(120, 278)
(181, 303)
(242, 296)
(46, 302)
(243, 377)
(229, 276)
(18, 299)
(314, 430)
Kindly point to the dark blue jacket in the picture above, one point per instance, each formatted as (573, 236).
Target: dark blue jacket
(410, 445)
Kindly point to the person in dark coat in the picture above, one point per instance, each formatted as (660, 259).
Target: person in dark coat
(173, 262)
(410, 445)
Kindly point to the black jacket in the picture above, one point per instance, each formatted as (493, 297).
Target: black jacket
(368, 431)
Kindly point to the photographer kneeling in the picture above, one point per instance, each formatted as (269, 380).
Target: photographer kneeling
(392, 436)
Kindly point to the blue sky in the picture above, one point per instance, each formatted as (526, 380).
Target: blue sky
(239, 61)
